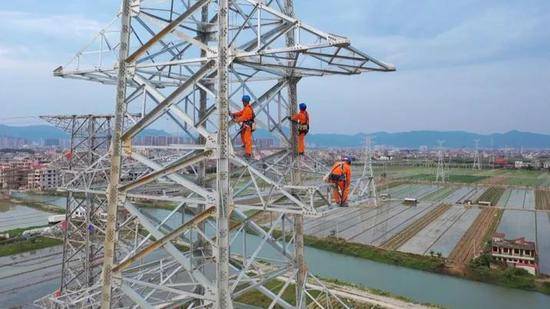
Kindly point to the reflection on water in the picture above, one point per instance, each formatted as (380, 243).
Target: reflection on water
(19, 216)
(421, 286)
(54, 200)
(418, 285)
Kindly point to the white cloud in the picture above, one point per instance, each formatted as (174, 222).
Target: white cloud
(60, 26)
(490, 34)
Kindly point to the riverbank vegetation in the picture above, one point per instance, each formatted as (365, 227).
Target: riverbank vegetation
(256, 298)
(483, 269)
(478, 269)
(25, 245)
(38, 205)
(17, 244)
(337, 245)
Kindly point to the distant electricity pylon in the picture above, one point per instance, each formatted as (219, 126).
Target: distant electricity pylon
(477, 158)
(367, 175)
(440, 172)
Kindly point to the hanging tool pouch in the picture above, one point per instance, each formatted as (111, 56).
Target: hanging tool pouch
(252, 122)
(303, 128)
(332, 177)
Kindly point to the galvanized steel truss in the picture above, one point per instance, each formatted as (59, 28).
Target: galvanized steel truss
(187, 63)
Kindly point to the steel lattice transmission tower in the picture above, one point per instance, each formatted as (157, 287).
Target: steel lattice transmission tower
(477, 157)
(440, 175)
(192, 60)
(82, 168)
(368, 187)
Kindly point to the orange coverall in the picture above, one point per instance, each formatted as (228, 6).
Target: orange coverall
(242, 116)
(341, 188)
(302, 117)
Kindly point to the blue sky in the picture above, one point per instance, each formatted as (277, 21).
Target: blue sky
(475, 65)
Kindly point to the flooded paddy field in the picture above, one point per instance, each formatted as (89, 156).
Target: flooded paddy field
(376, 226)
(442, 235)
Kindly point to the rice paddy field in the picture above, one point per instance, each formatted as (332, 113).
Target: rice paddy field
(442, 235)
(518, 199)
(529, 178)
(518, 223)
(443, 219)
(543, 241)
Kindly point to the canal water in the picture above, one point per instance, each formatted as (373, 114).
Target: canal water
(53, 200)
(19, 216)
(421, 286)
(425, 287)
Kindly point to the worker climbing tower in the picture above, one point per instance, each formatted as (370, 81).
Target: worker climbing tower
(441, 173)
(206, 246)
(477, 158)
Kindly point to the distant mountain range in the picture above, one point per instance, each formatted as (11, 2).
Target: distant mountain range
(411, 140)
(453, 139)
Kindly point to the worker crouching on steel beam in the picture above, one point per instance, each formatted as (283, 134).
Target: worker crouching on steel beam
(246, 118)
(340, 178)
(302, 120)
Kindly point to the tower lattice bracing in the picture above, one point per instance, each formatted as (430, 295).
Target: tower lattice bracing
(366, 184)
(440, 174)
(477, 158)
(184, 224)
(83, 167)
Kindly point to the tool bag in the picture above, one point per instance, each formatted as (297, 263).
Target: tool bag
(252, 122)
(303, 128)
(332, 177)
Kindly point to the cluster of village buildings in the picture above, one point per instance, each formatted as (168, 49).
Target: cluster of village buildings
(29, 172)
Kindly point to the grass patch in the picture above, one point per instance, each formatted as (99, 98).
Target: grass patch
(28, 245)
(255, 298)
(18, 231)
(458, 178)
(378, 292)
(492, 195)
(420, 262)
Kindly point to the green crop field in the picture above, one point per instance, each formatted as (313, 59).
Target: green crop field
(529, 178)
(492, 195)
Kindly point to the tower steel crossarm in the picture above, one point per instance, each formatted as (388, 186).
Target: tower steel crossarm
(186, 64)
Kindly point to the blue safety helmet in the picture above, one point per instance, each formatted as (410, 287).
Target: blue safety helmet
(246, 98)
(302, 106)
(346, 159)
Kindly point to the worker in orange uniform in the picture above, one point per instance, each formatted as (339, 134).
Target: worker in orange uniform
(340, 177)
(246, 118)
(302, 119)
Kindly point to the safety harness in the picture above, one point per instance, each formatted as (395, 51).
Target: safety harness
(335, 178)
(252, 122)
(303, 128)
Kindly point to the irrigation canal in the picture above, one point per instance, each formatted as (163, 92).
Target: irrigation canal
(24, 278)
